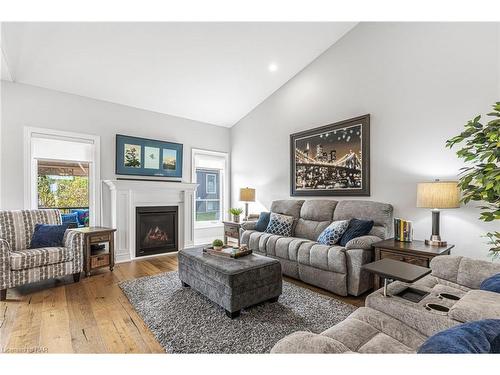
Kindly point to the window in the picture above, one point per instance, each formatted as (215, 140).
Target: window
(208, 195)
(211, 182)
(209, 172)
(62, 171)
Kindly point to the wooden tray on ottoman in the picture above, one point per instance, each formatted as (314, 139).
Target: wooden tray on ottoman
(227, 251)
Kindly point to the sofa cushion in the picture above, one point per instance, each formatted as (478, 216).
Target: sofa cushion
(17, 227)
(369, 331)
(318, 210)
(324, 257)
(308, 342)
(491, 284)
(263, 221)
(333, 233)
(31, 258)
(356, 228)
(310, 229)
(380, 213)
(482, 336)
(289, 207)
(48, 235)
(476, 305)
(280, 224)
(288, 247)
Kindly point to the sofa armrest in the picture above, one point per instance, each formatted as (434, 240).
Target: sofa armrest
(307, 342)
(363, 242)
(476, 305)
(4, 264)
(75, 240)
(248, 225)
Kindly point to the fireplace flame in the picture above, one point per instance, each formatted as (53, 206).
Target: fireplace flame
(156, 234)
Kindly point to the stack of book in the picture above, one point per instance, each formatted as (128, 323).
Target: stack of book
(403, 230)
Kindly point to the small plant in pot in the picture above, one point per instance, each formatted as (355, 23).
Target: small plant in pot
(236, 212)
(217, 244)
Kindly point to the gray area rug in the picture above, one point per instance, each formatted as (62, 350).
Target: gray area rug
(184, 321)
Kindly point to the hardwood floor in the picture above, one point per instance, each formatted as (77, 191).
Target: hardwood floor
(91, 316)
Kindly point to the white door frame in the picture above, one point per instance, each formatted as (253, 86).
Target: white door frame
(225, 185)
(31, 169)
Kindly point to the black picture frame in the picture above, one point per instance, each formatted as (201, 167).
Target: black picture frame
(326, 173)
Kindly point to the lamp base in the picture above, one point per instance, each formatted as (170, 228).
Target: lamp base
(435, 240)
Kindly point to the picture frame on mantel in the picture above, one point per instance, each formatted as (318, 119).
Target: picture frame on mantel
(331, 160)
(136, 156)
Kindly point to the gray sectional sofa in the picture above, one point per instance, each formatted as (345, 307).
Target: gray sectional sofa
(334, 268)
(395, 325)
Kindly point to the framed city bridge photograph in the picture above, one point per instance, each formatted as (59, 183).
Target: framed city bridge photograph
(332, 160)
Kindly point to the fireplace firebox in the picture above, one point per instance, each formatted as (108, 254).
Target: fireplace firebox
(156, 230)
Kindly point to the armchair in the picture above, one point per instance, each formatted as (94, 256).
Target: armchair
(21, 265)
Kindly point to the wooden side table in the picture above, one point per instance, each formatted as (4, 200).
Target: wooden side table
(232, 230)
(98, 258)
(415, 252)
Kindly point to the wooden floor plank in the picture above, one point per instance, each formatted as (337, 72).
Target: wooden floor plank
(91, 316)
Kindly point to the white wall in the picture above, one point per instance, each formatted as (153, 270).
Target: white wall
(420, 82)
(24, 105)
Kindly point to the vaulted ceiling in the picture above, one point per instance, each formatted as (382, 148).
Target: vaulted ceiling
(210, 72)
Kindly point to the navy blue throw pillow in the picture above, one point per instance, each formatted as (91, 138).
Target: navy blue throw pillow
(491, 284)
(356, 228)
(47, 235)
(481, 336)
(263, 221)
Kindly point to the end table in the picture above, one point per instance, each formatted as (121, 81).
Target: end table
(232, 230)
(415, 252)
(98, 257)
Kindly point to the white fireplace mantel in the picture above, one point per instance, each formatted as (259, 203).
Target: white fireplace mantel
(125, 195)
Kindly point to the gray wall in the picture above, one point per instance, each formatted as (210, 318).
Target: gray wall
(420, 82)
(24, 105)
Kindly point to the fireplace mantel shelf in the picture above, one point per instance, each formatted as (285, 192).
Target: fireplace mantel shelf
(123, 196)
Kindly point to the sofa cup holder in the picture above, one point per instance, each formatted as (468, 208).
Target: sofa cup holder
(448, 296)
(437, 308)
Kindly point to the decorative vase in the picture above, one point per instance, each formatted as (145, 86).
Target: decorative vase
(236, 218)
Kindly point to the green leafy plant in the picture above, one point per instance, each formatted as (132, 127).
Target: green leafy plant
(480, 180)
(236, 211)
(217, 243)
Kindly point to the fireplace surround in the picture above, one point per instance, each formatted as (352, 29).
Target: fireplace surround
(122, 197)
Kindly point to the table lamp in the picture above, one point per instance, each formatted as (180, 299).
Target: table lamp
(247, 195)
(437, 195)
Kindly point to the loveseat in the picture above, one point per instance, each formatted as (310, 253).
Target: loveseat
(395, 325)
(334, 268)
(21, 265)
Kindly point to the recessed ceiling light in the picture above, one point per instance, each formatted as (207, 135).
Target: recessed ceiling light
(272, 67)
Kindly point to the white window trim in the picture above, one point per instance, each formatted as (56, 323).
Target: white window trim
(206, 183)
(223, 181)
(31, 169)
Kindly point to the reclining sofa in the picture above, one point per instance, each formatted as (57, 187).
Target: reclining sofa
(395, 325)
(334, 268)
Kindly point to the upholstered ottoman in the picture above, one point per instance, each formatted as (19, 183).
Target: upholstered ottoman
(233, 284)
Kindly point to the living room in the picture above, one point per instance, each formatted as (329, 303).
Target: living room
(250, 187)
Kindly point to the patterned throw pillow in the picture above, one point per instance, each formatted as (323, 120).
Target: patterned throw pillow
(332, 233)
(280, 225)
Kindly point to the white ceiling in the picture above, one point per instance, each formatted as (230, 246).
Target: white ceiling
(210, 72)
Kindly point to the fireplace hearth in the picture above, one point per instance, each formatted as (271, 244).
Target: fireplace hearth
(156, 230)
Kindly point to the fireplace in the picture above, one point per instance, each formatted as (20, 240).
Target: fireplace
(156, 230)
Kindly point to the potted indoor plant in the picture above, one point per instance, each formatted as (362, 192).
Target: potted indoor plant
(236, 212)
(480, 178)
(217, 244)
